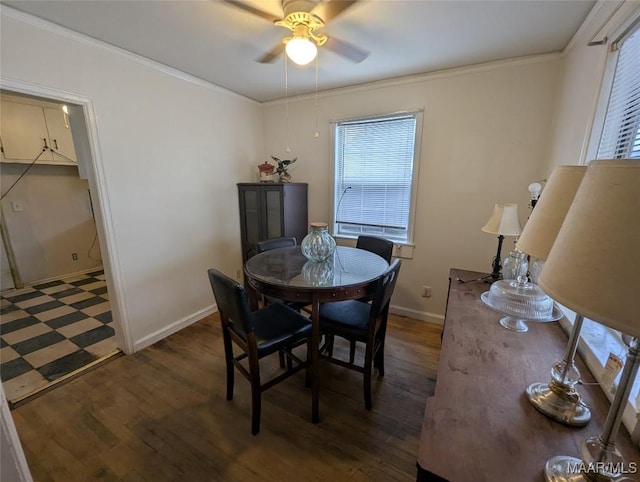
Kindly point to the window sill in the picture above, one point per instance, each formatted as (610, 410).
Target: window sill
(400, 250)
(596, 342)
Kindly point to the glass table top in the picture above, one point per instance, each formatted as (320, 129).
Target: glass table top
(288, 267)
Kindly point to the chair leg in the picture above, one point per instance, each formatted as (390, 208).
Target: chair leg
(254, 369)
(378, 358)
(230, 375)
(307, 372)
(367, 389)
(352, 352)
(228, 357)
(281, 356)
(379, 362)
(368, 359)
(329, 345)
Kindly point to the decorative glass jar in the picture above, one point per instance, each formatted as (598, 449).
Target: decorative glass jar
(318, 274)
(515, 265)
(318, 245)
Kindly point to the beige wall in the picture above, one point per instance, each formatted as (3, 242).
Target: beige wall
(581, 81)
(169, 151)
(55, 221)
(486, 137)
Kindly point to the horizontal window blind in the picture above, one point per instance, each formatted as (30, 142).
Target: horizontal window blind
(621, 132)
(374, 175)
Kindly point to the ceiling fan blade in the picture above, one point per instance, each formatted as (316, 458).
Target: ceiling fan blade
(272, 55)
(350, 51)
(253, 10)
(331, 8)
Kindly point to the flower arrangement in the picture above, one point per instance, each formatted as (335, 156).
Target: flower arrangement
(283, 165)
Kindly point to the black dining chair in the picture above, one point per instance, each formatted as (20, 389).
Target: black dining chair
(383, 248)
(275, 243)
(380, 246)
(361, 322)
(274, 328)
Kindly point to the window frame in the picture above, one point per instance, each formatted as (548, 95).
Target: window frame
(596, 340)
(606, 87)
(335, 196)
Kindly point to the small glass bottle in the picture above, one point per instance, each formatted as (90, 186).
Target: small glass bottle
(515, 266)
(318, 245)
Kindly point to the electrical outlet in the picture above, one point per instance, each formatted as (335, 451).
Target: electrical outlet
(74, 256)
(16, 206)
(426, 291)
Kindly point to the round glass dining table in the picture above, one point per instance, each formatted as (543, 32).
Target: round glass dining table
(284, 273)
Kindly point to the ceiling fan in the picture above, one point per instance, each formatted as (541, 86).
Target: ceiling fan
(304, 18)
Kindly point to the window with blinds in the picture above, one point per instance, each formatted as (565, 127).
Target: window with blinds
(621, 132)
(375, 160)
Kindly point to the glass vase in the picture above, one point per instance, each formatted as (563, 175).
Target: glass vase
(515, 265)
(318, 274)
(318, 245)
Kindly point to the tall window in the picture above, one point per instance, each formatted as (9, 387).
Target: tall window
(621, 133)
(616, 134)
(375, 165)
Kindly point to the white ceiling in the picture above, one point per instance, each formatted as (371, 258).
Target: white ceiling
(220, 43)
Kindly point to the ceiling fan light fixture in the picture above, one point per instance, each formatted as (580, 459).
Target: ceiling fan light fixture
(301, 50)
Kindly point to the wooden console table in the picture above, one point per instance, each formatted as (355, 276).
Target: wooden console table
(479, 425)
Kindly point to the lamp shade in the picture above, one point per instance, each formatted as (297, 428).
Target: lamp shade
(504, 220)
(546, 218)
(594, 265)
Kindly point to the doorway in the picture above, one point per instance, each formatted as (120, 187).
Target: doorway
(58, 317)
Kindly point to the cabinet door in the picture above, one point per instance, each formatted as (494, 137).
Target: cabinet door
(60, 134)
(23, 131)
(250, 221)
(272, 211)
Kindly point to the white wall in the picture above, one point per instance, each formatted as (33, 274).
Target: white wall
(581, 81)
(55, 221)
(170, 151)
(486, 136)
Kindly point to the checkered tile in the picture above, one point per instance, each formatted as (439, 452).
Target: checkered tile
(52, 329)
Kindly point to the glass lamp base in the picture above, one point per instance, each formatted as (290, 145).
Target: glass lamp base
(564, 469)
(562, 404)
(514, 324)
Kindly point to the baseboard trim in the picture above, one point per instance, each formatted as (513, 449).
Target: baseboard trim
(417, 315)
(173, 328)
(198, 315)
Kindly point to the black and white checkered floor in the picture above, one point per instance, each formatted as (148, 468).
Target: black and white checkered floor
(52, 329)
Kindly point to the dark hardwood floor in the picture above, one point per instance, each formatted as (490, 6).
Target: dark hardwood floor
(161, 414)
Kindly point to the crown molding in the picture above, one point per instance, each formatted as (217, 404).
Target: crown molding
(45, 25)
(425, 77)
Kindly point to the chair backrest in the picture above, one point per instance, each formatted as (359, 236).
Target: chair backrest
(232, 302)
(384, 288)
(380, 246)
(274, 243)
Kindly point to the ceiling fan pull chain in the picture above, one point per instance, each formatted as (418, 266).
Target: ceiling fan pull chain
(286, 102)
(317, 134)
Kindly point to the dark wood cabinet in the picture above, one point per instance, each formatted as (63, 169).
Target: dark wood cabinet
(271, 210)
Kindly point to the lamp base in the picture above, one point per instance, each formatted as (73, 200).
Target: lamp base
(514, 324)
(560, 403)
(563, 468)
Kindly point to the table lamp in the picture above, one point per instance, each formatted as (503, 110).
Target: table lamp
(557, 399)
(503, 222)
(592, 268)
(534, 192)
